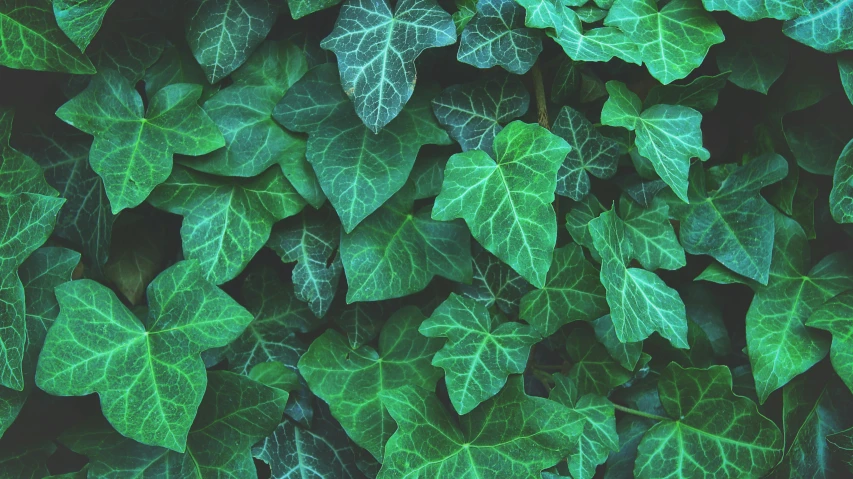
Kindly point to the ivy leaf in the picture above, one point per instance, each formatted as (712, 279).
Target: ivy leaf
(175, 65)
(133, 150)
(706, 414)
(651, 235)
(98, 345)
(592, 153)
(222, 34)
(841, 444)
(479, 354)
(347, 157)
(33, 41)
(572, 292)
(780, 346)
(323, 451)
(640, 302)
(475, 113)
(834, 317)
(235, 414)
(627, 354)
(80, 20)
(733, 223)
(215, 230)
(28, 462)
(351, 381)
(668, 135)
(466, 9)
(20, 174)
(845, 69)
(827, 26)
(311, 240)
(755, 63)
(136, 255)
(301, 8)
(394, 253)
(752, 11)
(514, 433)
(841, 196)
(672, 41)
(494, 283)
(701, 94)
(427, 176)
(577, 223)
(594, 370)
(497, 36)
(376, 52)
(507, 203)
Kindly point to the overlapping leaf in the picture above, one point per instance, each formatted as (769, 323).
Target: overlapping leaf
(757, 10)
(80, 19)
(827, 26)
(592, 153)
(496, 35)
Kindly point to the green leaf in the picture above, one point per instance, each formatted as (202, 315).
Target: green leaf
(361, 322)
(627, 354)
(701, 94)
(572, 292)
(396, 252)
(672, 41)
(497, 36)
(650, 233)
(817, 135)
(18, 172)
(704, 309)
(668, 135)
(474, 113)
(594, 370)
(80, 19)
(780, 346)
(845, 69)
(841, 444)
(564, 26)
(466, 9)
(236, 413)
(133, 150)
(834, 316)
(592, 153)
(733, 223)
(129, 48)
(427, 176)
(706, 415)
(148, 373)
(275, 375)
(755, 63)
(494, 283)
(351, 381)
(577, 223)
(507, 203)
(516, 434)
(827, 26)
(311, 240)
(479, 354)
(33, 41)
(136, 255)
(376, 52)
(757, 10)
(640, 302)
(841, 196)
(29, 462)
(357, 169)
(223, 33)
(226, 221)
(301, 8)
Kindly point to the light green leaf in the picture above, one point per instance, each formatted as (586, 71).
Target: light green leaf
(627, 354)
(672, 41)
(640, 302)
(834, 316)
(357, 169)
(828, 25)
(351, 381)
(733, 223)
(226, 221)
(572, 292)
(466, 9)
(376, 52)
(474, 113)
(479, 354)
(236, 413)
(133, 150)
(841, 196)
(706, 416)
(594, 370)
(497, 36)
(516, 434)
(80, 19)
(755, 63)
(779, 344)
(590, 13)
(148, 374)
(396, 252)
(592, 153)
(223, 33)
(651, 235)
(494, 283)
(752, 10)
(507, 203)
(845, 69)
(701, 94)
(33, 41)
(668, 135)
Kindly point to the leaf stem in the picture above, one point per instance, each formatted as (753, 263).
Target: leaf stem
(639, 413)
(539, 88)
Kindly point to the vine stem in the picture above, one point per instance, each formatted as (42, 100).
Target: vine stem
(639, 413)
(539, 88)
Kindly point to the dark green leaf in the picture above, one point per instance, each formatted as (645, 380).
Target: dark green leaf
(80, 19)
(592, 153)
(497, 36)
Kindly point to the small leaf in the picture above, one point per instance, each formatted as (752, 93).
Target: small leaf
(592, 153)
(834, 316)
(755, 63)
(497, 36)
(841, 196)
(494, 283)
(627, 354)
(651, 235)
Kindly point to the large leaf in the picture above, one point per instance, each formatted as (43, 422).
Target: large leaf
(640, 302)
(756, 63)
(516, 434)
(827, 26)
(757, 10)
(148, 373)
(226, 221)
(507, 203)
(672, 41)
(497, 36)
(80, 19)
(376, 52)
(668, 135)
(396, 252)
(707, 416)
(351, 381)
(779, 344)
(479, 354)
(133, 149)
(592, 154)
(33, 41)
(357, 169)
